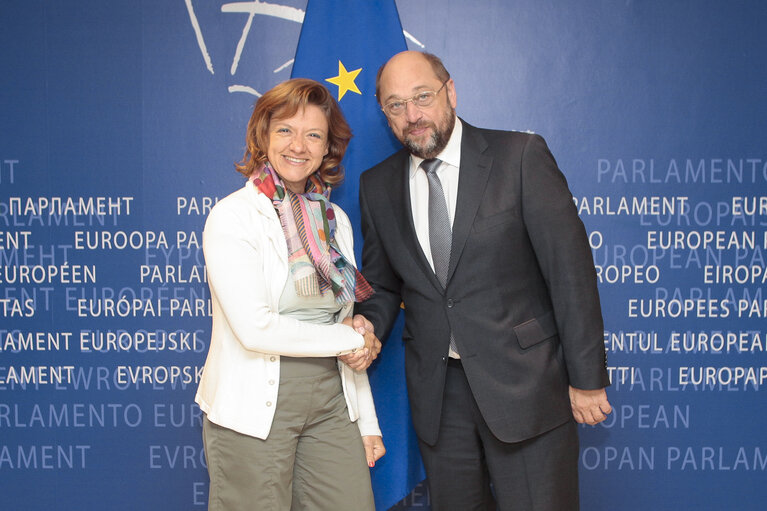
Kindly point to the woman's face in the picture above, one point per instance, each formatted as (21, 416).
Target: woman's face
(297, 145)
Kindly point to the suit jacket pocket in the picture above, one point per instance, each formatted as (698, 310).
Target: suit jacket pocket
(494, 220)
(536, 330)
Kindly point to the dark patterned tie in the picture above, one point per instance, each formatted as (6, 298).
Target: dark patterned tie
(440, 232)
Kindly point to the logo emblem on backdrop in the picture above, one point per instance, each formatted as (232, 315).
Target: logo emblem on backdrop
(203, 25)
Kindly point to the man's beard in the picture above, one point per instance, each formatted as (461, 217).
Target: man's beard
(436, 142)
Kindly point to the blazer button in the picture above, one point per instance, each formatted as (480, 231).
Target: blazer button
(450, 303)
(268, 403)
(272, 358)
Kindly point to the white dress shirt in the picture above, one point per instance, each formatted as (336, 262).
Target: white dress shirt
(419, 187)
(447, 172)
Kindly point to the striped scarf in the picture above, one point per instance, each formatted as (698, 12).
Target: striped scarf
(309, 224)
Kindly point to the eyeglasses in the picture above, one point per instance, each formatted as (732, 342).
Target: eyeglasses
(420, 100)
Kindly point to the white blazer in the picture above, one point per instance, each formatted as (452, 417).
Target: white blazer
(247, 266)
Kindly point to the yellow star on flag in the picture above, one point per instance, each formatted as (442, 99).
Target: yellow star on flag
(345, 80)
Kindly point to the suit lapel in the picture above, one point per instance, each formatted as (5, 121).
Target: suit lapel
(402, 212)
(472, 180)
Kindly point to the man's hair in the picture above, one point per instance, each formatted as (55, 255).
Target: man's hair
(436, 65)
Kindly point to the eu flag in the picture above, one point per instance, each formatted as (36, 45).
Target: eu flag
(342, 45)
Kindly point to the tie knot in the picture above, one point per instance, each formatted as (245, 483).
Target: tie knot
(431, 165)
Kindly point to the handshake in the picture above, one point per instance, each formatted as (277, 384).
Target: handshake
(360, 359)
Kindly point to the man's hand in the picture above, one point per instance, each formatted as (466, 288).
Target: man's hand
(589, 406)
(363, 357)
(374, 449)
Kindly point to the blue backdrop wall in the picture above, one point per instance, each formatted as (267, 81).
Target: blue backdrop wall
(121, 121)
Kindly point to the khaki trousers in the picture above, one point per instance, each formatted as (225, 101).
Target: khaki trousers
(313, 459)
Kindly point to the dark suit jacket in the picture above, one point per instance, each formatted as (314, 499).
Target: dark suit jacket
(521, 299)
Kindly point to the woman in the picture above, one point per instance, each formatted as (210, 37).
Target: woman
(287, 424)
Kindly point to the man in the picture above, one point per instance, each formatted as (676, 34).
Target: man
(503, 329)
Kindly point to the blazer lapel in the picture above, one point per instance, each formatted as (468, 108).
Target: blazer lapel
(402, 212)
(272, 227)
(472, 180)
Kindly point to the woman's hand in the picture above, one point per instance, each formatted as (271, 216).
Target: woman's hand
(363, 357)
(374, 448)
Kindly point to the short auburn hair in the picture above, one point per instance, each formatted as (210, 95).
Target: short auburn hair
(282, 102)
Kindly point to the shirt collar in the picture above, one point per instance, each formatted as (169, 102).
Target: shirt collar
(451, 154)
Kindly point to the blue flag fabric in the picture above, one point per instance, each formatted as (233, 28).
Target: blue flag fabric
(342, 45)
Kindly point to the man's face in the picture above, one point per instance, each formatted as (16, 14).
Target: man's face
(424, 131)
